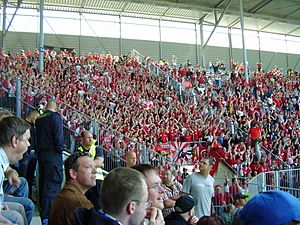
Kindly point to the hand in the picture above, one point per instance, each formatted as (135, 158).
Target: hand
(13, 177)
(193, 220)
(156, 217)
(5, 207)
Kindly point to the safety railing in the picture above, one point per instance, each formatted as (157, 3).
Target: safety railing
(286, 180)
(187, 94)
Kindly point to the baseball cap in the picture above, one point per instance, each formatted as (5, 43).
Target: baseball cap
(240, 195)
(271, 208)
(185, 203)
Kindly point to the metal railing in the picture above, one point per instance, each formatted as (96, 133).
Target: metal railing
(285, 180)
(187, 94)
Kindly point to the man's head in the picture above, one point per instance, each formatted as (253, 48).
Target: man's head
(153, 180)
(14, 137)
(271, 208)
(240, 199)
(131, 158)
(51, 105)
(33, 115)
(168, 176)
(185, 206)
(124, 195)
(87, 138)
(205, 165)
(80, 170)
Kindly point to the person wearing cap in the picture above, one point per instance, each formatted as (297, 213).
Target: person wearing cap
(271, 208)
(184, 213)
(201, 186)
(240, 201)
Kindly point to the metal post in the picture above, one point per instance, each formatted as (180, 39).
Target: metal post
(41, 39)
(286, 52)
(80, 35)
(160, 44)
(243, 40)
(230, 47)
(120, 40)
(18, 97)
(3, 48)
(196, 47)
(202, 43)
(259, 51)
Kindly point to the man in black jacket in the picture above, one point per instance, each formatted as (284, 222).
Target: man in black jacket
(50, 145)
(184, 212)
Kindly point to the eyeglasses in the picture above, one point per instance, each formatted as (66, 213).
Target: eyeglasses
(147, 203)
(157, 187)
(77, 155)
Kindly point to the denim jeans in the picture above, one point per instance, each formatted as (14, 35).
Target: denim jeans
(19, 195)
(21, 191)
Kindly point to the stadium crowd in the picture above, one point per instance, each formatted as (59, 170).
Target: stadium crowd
(253, 126)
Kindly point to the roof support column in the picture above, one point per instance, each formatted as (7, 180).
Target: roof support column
(286, 52)
(80, 34)
(196, 47)
(259, 48)
(160, 44)
(41, 37)
(120, 39)
(202, 42)
(230, 47)
(3, 26)
(243, 40)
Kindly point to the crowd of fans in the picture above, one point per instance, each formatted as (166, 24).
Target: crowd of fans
(142, 107)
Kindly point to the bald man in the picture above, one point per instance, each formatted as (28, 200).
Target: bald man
(131, 158)
(50, 145)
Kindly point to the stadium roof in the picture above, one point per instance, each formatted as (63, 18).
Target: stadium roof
(275, 16)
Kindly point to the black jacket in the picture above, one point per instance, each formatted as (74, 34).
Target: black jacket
(175, 219)
(49, 132)
(91, 216)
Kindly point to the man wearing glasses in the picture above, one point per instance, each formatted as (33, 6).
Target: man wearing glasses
(80, 172)
(124, 201)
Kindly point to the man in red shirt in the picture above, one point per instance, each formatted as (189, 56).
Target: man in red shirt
(255, 135)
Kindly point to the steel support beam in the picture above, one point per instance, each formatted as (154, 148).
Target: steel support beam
(41, 37)
(293, 31)
(3, 48)
(160, 43)
(243, 40)
(196, 46)
(230, 47)
(259, 6)
(202, 43)
(12, 19)
(217, 24)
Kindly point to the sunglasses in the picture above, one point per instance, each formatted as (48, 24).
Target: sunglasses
(77, 155)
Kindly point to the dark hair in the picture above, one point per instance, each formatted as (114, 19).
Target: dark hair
(10, 127)
(71, 162)
(209, 220)
(119, 187)
(144, 168)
